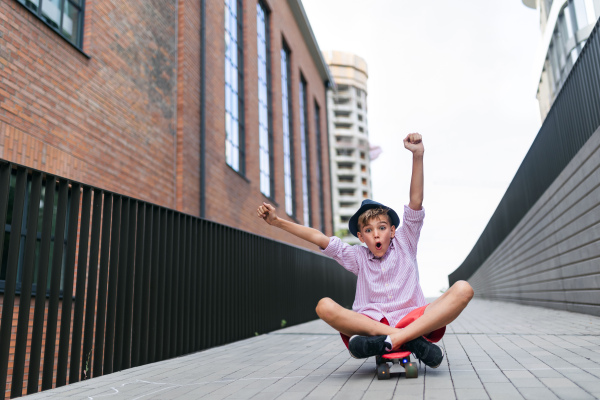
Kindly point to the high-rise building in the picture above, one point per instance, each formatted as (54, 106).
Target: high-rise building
(565, 26)
(348, 138)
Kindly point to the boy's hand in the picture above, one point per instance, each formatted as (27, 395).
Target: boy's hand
(267, 212)
(414, 143)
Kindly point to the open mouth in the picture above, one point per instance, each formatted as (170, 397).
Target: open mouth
(378, 245)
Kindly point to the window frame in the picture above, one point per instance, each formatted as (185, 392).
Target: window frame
(288, 124)
(229, 117)
(78, 42)
(269, 102)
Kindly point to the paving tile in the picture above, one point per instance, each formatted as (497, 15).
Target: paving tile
(292, 395)
(579, 375)
(574, 393)
(348, 395)
(518, 374)
(439, 394)
(378, 395)
(502, 391)
(546, 373)
(542, 393)
(487, 376)
(471, 394)
(409, 392)
(526, 382)
(467, 383)
(266, 396)
(558, 383)
(590, 386)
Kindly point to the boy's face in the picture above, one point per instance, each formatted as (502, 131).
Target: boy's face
(377, 234)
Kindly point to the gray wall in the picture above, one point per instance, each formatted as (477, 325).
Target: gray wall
(552, 257)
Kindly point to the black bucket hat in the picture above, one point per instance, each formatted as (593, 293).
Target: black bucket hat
(367, 205)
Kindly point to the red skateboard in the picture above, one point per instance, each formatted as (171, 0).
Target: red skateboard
(399, 357)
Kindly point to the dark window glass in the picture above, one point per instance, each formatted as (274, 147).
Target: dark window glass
(286, 107)
(64, 16)
(234, 83)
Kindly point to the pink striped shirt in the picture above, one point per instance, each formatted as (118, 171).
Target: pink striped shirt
(387, 286)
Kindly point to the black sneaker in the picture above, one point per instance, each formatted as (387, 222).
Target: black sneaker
(431, 354)
(368, 346)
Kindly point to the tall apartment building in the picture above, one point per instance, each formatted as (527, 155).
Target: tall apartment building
(349, 138)
(565, 26)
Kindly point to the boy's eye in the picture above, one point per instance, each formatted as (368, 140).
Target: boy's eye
(382, 228)
(367, 230)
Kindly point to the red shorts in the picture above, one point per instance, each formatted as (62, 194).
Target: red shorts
(408, 319)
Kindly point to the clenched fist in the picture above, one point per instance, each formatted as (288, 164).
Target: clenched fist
(414, 143)
(267, 212)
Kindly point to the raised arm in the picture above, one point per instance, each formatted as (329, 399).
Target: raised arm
(414, 143)
(267, 212)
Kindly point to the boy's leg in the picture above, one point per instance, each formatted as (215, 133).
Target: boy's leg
(349, 322)
(439, 313)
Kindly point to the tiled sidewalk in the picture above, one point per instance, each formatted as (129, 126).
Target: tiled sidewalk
(494, 350)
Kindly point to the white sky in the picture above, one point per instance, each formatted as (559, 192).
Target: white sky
(462, 74)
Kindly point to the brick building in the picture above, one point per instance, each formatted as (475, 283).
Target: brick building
(123, 94)
(147, 99)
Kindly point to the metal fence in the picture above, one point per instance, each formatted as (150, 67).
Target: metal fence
(573, 118)
(107, 282)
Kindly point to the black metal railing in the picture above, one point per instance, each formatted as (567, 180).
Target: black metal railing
(137, 282)
(573, 118)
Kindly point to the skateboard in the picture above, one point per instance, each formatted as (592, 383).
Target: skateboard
(399, 357)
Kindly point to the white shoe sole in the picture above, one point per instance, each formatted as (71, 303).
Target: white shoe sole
(352, 355)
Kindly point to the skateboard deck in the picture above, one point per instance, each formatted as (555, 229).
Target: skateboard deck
(400, 357)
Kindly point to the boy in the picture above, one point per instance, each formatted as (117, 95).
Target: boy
(389, 310)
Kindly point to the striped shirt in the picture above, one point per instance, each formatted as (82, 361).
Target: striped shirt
(387, 286)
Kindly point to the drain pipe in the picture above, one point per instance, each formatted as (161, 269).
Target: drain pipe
(202, 109)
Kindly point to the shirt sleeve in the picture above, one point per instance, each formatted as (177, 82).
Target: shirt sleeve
(410, 230)
(345, 254)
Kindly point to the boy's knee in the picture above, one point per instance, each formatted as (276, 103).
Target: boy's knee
(464, 290)
(325, 308)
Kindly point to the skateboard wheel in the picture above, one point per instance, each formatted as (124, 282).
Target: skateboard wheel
(411, 370)
(383, 371)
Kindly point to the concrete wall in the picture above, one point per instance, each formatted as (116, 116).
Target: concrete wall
(108, 119)
(552, 257)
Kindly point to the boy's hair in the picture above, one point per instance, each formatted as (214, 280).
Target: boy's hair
(372, 213)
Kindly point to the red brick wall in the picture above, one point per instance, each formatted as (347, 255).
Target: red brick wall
(108, 120)
(188, 107)
(128, 118)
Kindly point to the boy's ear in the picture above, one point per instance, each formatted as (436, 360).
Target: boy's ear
(360, 237)
(393, 231)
